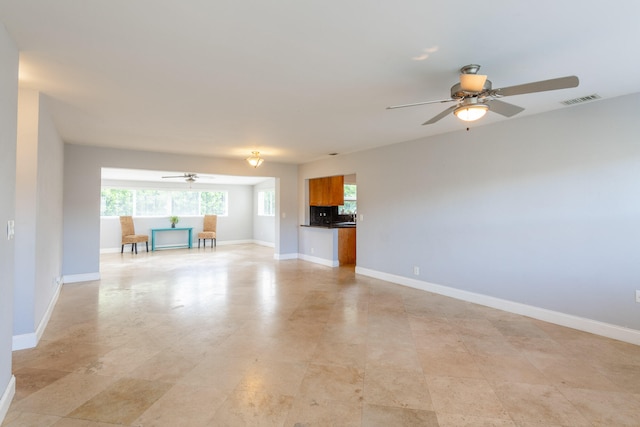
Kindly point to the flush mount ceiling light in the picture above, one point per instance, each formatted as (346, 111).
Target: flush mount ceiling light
(255, 160)
(472, 112)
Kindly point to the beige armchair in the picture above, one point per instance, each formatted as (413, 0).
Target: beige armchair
(129, 235)
(209, 230)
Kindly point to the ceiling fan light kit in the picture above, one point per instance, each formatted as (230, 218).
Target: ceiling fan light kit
(472, 82)
(471, 113)
(474, 95)
(255, 160)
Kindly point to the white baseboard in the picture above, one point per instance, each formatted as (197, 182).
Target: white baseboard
(236, 242)
(75, 278)
(23, 341)
(580, 323)
(109, 250)
(281, 257)
(7, 397)
(262, 243)
(30, 340)
(327, 262)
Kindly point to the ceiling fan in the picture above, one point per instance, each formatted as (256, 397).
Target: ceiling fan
(474, 95)
(188, 177)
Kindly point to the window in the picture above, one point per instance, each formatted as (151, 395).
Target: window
(213, 203)
(152, 203)
(350, 200)
(148, 202)
(185, 203)
(266, 203)
(116, 202)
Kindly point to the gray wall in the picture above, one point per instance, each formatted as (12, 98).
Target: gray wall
(38, 213)
(26, 210)
(263, 226)
(82, 196)
(8, 135)
(49, 219)
(540, 210)
(319, 245)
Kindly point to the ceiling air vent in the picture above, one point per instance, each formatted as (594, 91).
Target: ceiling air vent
(581, 99)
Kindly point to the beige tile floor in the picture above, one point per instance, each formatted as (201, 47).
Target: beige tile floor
(230, 337)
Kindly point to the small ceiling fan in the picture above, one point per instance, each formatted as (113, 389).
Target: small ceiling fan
(474, 95)
(188, 177)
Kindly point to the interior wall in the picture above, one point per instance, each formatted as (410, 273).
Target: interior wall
(539, 210)
(263, 226)
(8, 137)
(38, 261)
(48, 248)
(26, 211)
(82, 184)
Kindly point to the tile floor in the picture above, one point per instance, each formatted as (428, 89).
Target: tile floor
(230, 337)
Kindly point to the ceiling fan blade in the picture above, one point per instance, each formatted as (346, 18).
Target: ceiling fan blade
(541, 86)
(504, 108)
(184, 175)
(441, 115)
(441, 101)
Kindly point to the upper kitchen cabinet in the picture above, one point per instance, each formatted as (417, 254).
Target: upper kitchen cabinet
(326, 191)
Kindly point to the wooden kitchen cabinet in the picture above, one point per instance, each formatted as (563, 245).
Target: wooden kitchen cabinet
(317, 192)
(326, 191)
(347, 246)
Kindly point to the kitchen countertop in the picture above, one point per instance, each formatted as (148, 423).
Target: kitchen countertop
(334, 225)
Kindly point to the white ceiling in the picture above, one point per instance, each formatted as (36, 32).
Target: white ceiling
(297, 80)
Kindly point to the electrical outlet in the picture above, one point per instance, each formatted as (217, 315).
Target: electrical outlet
(312, 251)
(638, 296)
(416, 271)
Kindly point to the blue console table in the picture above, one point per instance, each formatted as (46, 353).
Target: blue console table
(156, 230)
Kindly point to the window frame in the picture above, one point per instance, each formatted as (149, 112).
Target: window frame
(264, 202)
(168, 202)
(341, 208)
